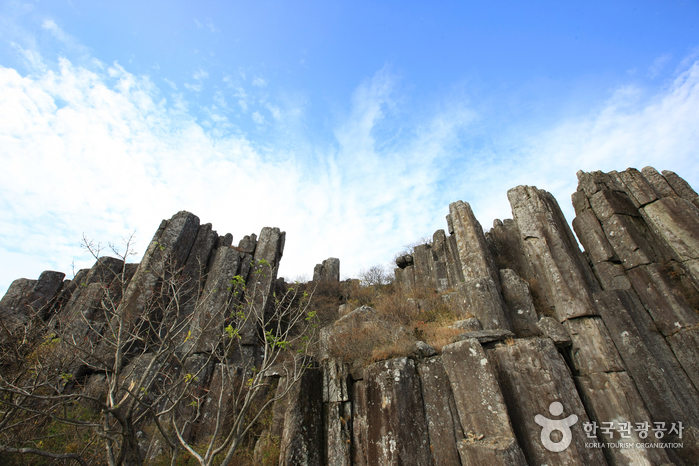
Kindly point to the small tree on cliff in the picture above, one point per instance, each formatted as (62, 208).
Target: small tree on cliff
(104, 368)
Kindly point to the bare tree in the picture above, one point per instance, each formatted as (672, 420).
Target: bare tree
(377, 275)
(149, 345)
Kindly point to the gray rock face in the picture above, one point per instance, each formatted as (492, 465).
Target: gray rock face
(471, 324)
(482, 412)
(217, 299)
(564, 282)
(261, 279)
(394, 400)
(27, 299)
(404, 261)
(486, 336)
(612, 334)
(443, 425)
(519, 303)
(533, 376)
(328, 270)
(481, 298)
(553, 329)
(474, 256)
(303, 439)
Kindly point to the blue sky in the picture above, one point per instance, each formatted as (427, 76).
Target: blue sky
(350, 125)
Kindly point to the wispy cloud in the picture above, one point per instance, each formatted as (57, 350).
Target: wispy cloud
(206, 24)
(102, 151)
(658, 65)
(258, 118)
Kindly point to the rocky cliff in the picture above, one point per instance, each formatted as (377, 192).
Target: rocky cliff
(557, 355)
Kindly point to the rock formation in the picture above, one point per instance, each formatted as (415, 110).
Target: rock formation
(604, 342)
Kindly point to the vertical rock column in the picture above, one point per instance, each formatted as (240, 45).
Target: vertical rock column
(532, 376)
(633, 230)
(481, 287)
(261, 279)
(26, 299)
(337, 413)
(303, 438)
(565, 285)
(642, 236)
(328, 270)
(489, 438)
(396, 431)
(443, 424)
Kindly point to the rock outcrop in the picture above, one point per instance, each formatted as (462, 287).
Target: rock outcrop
(558, 355)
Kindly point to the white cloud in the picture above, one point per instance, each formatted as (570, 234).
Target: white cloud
(200, 75)
(208, 24)
(658, 65)
(193, 87)
(634, 128)
(259, 82)
(275, 111)
(257, 118)
(102, 152)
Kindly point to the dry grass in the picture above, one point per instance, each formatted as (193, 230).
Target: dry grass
(402, 319)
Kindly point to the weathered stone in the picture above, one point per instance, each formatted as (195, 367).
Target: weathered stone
(360, 429)
(563, 278)
(404, 261)
(480, 405)
(443, 423)
(681, 187)
(519, 302)
(668, 309)
(606, 203)
(486, 336)
(222, 241)
(474, 256)
(481, 298)
(637, 187)
(358, 316)
(498, 450)
(394, 401)
(553, 329)
(685, 345)
(472, 324)
(303, 439)
(248, 244)
(329, 270)
(505, 246)
(580, 202)
(27, 299)
(677, 222)
(612, 276)
(592, 349)
(216, 300)
(334, 381)
(338, 431)
(626, 235)
(664, 386)
(194, 271)
(658, 182)
(592, 237)
(533, 377)
(423, 350)
(447, 267)
(587, 183)
(406, 276)
(166, 253)
(261, 280)
(612, 397)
